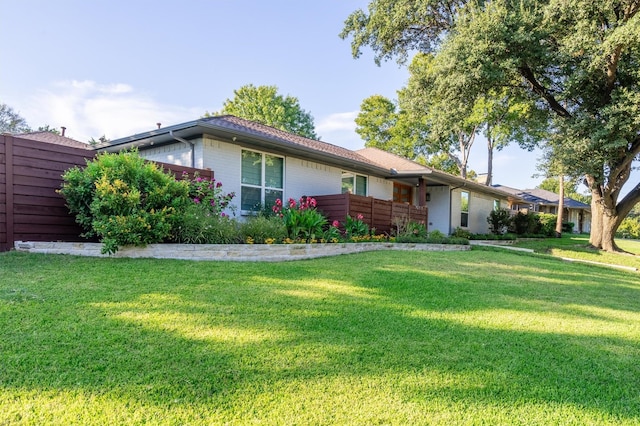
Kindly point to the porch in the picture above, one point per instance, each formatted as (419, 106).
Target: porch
(378, 214)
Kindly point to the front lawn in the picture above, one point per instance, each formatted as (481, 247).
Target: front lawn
(480, 337)
(577, 247)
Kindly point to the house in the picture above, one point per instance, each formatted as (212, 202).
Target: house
(261, 164)
(451, 200)
(543, 201)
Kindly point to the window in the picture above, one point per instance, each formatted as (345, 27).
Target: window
(402, 193)
(496, 205)
(262, 180)
(464, 209)
(355, 184)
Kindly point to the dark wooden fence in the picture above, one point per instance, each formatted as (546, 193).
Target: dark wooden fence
(378, 214)
(30, 173)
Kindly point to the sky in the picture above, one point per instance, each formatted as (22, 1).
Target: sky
(116, 68)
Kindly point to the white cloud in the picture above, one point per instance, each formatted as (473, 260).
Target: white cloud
(89, 110)
(340, 129)
(338, 121)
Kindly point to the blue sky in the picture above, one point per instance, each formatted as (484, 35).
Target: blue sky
(118, 67)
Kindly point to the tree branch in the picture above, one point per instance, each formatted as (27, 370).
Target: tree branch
(542, 91)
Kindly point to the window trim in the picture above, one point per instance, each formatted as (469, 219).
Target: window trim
(263, 186)
(354, 177)
(463, 212)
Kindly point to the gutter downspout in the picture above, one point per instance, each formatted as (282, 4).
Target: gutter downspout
(451, 202)
(189, 144)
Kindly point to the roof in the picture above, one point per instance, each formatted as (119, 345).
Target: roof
(410, 171)
(53, 138)
(543, 197)
(251, 134)
(392, 161)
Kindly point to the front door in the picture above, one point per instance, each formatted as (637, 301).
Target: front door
(402, 193)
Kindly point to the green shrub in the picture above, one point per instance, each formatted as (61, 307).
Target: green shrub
(355, 227)
(499, 221)
(523, 223)
(462, 233)
(546, 224)
(302, 220)
(629, 228)
(209, 193)
(123, 200)
(198, 225)
(261, 229)
(567, 227)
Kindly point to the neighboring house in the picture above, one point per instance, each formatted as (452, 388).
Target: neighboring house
(543, 201)
(260, 164)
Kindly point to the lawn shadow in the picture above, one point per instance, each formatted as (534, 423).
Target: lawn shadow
(226, 335)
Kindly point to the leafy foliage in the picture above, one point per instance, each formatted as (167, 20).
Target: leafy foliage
(629, 228)
(499, 221)
(355, 227)
(262, 230)
(572, 66)
(196, 224)
(302, 220)
(11, 121)
(264, 105)
(123, 200)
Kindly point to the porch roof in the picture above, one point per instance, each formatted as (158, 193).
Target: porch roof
(410, 172)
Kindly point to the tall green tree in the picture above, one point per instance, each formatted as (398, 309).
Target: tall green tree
(577, 60)
(382, 125)
(11, 121)
(264, 105)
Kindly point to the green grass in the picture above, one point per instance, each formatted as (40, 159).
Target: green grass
(577, 247)
(480, 337)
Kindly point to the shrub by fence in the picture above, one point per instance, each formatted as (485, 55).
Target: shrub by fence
(30, 173)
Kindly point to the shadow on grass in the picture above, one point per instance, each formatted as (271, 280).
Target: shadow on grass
(477, 329)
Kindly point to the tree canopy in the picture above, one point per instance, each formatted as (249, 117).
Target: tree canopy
(577, 62)
(264, 105)
(11, 121)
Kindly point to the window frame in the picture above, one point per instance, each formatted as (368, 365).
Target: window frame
(464, 214)
(263, 187)
(354, 183)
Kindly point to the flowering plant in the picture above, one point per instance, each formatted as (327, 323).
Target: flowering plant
(209, 193)
(302, 220)
(356, 227)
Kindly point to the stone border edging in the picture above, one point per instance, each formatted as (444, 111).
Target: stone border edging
(229, 252)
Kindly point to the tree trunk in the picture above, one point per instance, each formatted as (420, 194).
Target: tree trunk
(489, 158)
(604, 223)
(560, 213)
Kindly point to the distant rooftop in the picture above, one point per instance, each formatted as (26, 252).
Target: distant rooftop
(53, 138)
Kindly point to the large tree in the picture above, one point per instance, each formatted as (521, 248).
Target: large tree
(264, 105)
(11, 121)
(578, 60)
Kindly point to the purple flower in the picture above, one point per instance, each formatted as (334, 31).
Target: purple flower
(196, 200)
(218, 185)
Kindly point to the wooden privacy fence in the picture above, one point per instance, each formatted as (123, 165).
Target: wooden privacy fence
(378, 214)
(30, 173)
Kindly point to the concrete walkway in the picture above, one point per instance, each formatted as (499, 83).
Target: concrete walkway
(502, 245)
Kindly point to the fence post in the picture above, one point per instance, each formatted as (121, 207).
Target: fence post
(8, 151)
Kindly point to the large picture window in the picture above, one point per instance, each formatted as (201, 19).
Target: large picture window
(464, 209)
(355, 184)
(262, 180)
